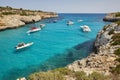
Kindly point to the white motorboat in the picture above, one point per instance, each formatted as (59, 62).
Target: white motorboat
(70, 23)
(86, 28)
(42, 25)
(23, 45)
(34, 29)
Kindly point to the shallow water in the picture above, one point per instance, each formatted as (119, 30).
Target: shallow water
(56, 45)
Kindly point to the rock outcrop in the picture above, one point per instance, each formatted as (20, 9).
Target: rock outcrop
(101, 63)
(104, 39)
(112, 17)
(103, 59)
(13, 18)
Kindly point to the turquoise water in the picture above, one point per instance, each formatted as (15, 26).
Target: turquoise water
(56, 45)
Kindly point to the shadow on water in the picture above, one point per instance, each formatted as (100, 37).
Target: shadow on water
(60, 60)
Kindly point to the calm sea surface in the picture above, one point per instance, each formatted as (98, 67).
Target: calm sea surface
(56, 45)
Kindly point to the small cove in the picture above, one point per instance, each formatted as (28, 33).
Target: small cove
(56, 45)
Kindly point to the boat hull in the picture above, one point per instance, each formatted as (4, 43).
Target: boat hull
(26, 45)
(35, 30)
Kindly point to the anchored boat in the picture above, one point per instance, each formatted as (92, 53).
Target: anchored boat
(23, 45)
(42, 25)
(70, 23)
(86, 28)
(34, 29)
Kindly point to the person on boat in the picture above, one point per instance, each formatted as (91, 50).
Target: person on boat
(21, 44)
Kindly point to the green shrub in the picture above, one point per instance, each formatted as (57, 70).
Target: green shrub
(24, 13)
(98, 76)
(81, 75)
(64, 71)
(111, 32)
(105, 27)
(46, 76)
(116, 39)
(117, 22)
(118, 59)
(8, 13)
(117, 52)
(116, 70)
(117, 14)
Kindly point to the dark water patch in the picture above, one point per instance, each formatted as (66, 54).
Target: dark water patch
(87, 45)
(60, 60)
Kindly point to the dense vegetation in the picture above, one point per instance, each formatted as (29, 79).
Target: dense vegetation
(111, 32)
(116, 70)
(116, 39)
(62, 73)
(105, 27)
(117, 22)
(117, 14)
(117, 52)
(23, 12)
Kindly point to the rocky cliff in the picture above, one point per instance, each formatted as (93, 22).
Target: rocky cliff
(112, 17)
(103, 59)
(13, 18)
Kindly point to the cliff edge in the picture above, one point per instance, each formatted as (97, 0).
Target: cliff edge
(13, 18)
(107, 51)
(112, 17)
(103, 64)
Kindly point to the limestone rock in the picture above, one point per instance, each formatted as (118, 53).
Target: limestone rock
(111, 17)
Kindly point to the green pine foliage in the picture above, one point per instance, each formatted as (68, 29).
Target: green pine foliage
(117, 52)
(116, 39)
(117, 14)
(61, 73)
(111, 32)
(116, 70)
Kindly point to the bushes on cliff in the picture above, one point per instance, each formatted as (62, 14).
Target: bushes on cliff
(61, 73)
(8, 13)
(105, 27)
(111, 32)
(117, 22)
(98, 76)
(64, 71)
(117, 52)
(118, 59)
(94, 76)
(116, 39)
(81, 75)
(117, 14)
(46, 76)
(57, 74)
(116, 70)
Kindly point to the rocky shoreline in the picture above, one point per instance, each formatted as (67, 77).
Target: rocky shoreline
(13, 18)
(103, 59)
(112, 17)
